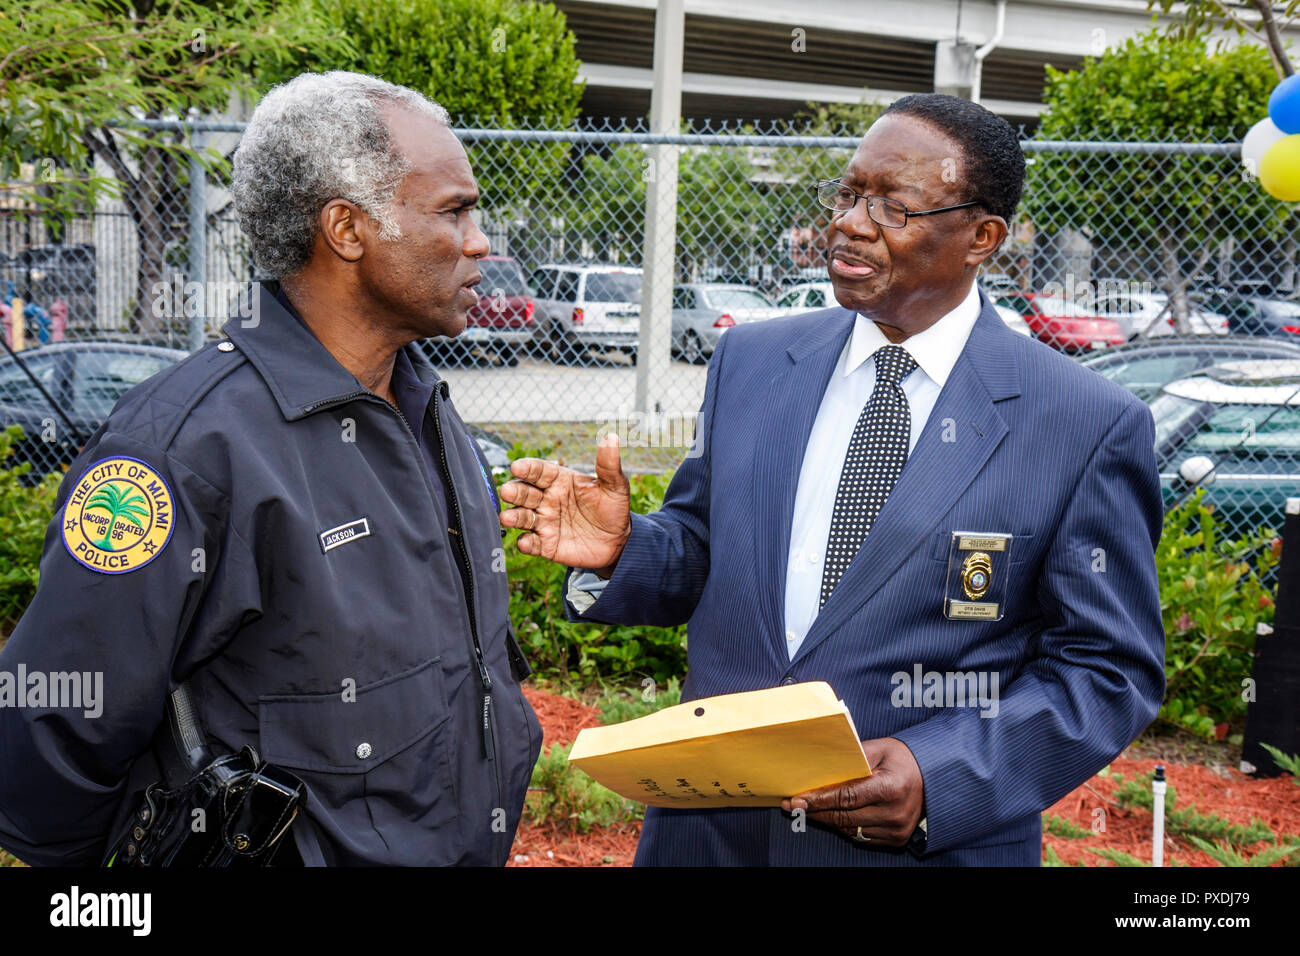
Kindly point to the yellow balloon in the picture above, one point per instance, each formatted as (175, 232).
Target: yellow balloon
(1279, 169)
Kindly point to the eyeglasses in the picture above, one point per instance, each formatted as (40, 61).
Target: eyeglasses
(891, 213)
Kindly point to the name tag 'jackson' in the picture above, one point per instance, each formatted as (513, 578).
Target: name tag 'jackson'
(360, 528)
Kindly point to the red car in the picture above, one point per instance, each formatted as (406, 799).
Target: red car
(502, 319)
(1061, 323)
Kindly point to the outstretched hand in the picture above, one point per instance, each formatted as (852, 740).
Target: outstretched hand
(580, 520)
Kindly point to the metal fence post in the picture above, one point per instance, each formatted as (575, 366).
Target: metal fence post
(198, 243)
(654, 341)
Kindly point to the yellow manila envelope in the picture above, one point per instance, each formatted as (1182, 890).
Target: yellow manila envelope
(737, 750)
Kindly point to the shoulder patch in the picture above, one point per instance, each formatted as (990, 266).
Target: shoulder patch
(118, 517)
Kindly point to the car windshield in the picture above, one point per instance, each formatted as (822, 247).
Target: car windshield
(736, 299)
(503, 278)
(1057, 306)
(1253, 428)
(1171, 413)
(102, 378)
(613, 287)
(1145, 375)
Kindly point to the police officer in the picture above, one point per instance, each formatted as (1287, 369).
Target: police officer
(296, 523)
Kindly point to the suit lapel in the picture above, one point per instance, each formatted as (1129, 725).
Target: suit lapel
(936, 474)
(794, 396)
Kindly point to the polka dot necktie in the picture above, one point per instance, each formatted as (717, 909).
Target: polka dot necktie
(877, 452)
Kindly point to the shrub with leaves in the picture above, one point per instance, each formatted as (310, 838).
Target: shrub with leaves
(617, 706)
(566, 796)
(571, 653)
(1288, 762)
(1188, 821)
(25, 513)
(1058, 826)
(1212, 596)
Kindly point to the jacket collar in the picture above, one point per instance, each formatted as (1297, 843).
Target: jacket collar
(300, 372)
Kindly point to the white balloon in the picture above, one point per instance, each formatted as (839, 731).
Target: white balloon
(1261, 136)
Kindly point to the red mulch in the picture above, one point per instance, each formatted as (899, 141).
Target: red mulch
(561, 719)
(1235, 797)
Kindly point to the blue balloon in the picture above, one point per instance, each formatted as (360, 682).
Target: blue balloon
(1284, 104)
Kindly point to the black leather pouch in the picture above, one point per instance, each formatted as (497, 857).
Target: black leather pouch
(236, 811)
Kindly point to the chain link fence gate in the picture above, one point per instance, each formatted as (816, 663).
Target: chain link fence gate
(1151, 260)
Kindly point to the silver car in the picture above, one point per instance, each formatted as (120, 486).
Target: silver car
(703, 311)
(1150, 314)
(582, 307)
(807, 297)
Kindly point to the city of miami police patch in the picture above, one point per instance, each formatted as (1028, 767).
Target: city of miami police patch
(118, 517)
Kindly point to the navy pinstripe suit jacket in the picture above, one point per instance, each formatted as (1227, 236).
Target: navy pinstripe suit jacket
(1038, 447)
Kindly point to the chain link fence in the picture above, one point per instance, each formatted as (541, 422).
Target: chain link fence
(1152, 260)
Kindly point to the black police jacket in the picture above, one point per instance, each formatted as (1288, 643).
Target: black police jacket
(257, 523)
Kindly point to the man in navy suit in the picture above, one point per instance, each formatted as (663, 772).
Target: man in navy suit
(951, 524)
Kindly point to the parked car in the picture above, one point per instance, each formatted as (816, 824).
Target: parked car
(1149, 314)
(1255, 315)
(807, 297)
(997, 283)
(1061, 324)
(819, 295)
(85, 379)
(1234, 429)
(503, 320)
(1145, 367)
(703, 311)
(1014, 321)
(584, 307)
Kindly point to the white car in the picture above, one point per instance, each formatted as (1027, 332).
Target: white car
(807, 296)
(820, 295)
(1014, 320)
(582, 306)
(1149, 314)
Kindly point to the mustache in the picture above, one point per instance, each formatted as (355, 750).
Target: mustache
(851, 253)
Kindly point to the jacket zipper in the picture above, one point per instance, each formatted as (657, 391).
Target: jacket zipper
(467, 575)
(462, 556)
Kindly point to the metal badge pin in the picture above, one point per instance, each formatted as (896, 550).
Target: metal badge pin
(976, 575)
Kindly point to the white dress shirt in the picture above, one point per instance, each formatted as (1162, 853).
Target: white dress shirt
(935, 351)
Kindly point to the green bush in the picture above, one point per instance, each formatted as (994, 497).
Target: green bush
(25, 513)
(1058, 826)
(1212, 596)
(568, 797)
(616, 706)
(579, 654)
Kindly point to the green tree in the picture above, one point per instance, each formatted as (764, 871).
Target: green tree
(801, 168)
(1265, 26)
(490, 63)
(729, 208)
(70, 69)
(1155, 87)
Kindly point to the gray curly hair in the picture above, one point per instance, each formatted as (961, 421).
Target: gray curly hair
(318, 137)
